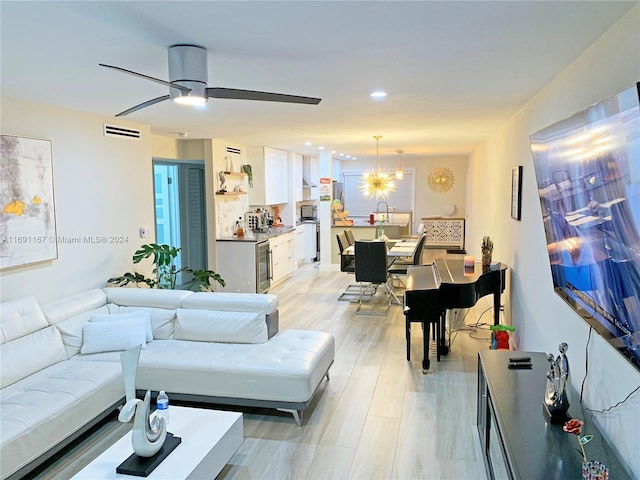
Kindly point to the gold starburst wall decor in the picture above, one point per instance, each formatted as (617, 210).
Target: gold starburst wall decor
(378, 183)
(441, 179)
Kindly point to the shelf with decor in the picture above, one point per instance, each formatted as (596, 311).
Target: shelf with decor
(231, 193)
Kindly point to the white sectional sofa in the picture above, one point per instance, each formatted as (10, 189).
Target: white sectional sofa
(207, 347)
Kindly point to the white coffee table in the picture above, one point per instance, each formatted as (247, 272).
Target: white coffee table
(209, 440)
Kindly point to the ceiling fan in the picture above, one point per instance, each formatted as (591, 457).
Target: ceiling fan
(188, 82)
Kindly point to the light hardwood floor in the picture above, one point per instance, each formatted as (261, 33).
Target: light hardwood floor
(378, 417)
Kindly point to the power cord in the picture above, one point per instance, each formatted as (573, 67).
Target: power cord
(586, 372)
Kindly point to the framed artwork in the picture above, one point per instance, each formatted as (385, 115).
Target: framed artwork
(516, 192)
(27, 211)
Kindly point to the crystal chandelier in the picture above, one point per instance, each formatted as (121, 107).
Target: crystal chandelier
(377, 183)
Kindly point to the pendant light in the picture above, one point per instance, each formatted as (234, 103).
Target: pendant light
(399, 172)
(377, 183)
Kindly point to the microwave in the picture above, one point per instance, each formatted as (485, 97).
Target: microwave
(308, 212)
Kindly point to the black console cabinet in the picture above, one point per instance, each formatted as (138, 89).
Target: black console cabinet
(516, 439)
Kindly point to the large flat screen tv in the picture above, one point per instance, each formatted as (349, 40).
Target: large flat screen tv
(588, 174)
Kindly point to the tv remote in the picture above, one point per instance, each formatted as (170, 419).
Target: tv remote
(520, 365)
(520, 359)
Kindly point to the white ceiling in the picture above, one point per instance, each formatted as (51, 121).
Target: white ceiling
(454, 70)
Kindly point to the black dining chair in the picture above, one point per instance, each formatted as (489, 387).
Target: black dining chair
(346, 261)
(351, 239)
(347, 264)
(372, 266)
(399, 267)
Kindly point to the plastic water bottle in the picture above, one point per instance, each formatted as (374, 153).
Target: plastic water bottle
(162, 406)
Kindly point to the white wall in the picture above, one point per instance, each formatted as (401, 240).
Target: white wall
(102, 187)
(542, 319)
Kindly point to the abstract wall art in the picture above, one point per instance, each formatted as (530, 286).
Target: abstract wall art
(27, 210)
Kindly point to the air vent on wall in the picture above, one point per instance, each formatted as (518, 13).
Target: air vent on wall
(234, 151)
(121, 132)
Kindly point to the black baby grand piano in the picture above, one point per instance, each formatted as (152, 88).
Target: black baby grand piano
(445, 284)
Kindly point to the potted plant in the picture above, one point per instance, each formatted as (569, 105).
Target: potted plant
(165, 271)
(487, 251)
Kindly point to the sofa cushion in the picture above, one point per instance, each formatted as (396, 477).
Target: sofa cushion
(146, 297)
(162, 319)
(232, 302)
(287, 368)
(223, 327)
(52, 404)
(113, 336)
(71, 329)
(142, 315)
(20, 317)
(68, 307)
(30, 354)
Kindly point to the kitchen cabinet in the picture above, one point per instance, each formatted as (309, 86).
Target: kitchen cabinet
(270, 176)
(444, 232)
(296, 173)
(282, 256)
(243, 265)
(310, 242)
(516, 439)
(300, 244)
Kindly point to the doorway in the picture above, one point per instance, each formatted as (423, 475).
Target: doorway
(180, 213)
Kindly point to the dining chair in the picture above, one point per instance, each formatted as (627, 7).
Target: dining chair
(347, 264)
(346, 261)
(419, 232)
(399, 267)
(351, 239)
(372, 265)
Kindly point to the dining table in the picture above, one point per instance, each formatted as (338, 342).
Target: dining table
(395, 248)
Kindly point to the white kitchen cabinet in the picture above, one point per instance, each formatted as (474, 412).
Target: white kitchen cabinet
(300, 244)
(296, 174)
(282, 256)
(270, 176)
(310, 242)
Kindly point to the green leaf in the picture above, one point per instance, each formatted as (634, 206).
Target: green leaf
(586, 439)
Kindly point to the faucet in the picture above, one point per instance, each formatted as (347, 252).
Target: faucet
(387, 211)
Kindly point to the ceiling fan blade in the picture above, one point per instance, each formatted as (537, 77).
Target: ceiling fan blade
(237, 94)
(148, 103)
(147, 77)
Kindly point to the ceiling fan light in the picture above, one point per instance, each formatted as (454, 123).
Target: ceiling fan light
(190, 100)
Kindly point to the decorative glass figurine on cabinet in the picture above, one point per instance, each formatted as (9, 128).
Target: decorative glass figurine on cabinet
(556, 402)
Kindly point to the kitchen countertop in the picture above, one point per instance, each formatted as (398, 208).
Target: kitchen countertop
(259, 236)
(367, 224)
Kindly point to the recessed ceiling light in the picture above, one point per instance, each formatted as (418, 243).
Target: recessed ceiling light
(307, 144)
(320, 148)
(333, 151)
(379, 94)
